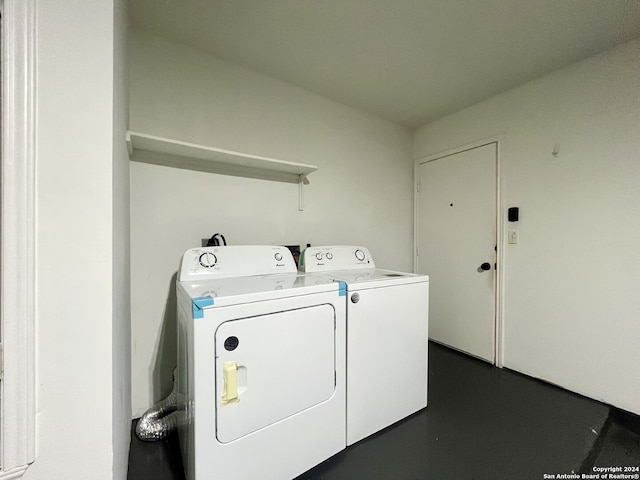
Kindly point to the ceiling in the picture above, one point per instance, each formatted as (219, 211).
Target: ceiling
(408, 61)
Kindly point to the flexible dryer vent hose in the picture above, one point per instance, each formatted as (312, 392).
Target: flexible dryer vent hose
(161, 419)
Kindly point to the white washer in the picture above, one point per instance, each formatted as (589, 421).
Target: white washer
(261, 364)
(387, 337)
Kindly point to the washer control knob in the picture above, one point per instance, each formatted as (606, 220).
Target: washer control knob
(278, 256)
(329, 255)
(319, 255)
(208, 260)
(355, 298)
(360, 255)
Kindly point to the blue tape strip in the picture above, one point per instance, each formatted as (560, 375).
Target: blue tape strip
(198, 304)
(342, 289)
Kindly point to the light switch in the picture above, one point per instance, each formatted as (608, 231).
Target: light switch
(513, 236)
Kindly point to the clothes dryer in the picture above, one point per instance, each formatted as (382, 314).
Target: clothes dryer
(387, 337)
(261, 364)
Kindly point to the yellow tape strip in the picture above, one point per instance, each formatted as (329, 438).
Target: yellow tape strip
(230, 375)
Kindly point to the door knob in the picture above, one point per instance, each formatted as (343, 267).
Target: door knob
(485, 266)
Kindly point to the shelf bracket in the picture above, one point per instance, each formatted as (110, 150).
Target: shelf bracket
(300, 193)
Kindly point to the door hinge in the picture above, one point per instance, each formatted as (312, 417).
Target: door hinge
(335, 378)
(418, 186)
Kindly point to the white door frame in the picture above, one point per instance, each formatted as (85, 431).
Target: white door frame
(499, 331)
(17, 242)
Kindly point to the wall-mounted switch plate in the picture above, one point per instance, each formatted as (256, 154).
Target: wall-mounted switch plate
(513, 236)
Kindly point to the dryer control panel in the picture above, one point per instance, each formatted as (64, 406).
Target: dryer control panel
(335, 257)
(235, 261)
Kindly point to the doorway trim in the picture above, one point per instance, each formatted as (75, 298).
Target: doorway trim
(500, 241)
(17, 241)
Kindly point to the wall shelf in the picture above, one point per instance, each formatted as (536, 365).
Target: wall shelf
(175, 153)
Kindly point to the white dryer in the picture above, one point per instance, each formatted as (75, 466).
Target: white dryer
(387, 337)
(261, 364)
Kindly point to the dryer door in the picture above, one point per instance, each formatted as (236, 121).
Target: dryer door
(270, 367)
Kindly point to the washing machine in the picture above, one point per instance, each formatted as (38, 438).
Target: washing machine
(387, 337)
(261, 364)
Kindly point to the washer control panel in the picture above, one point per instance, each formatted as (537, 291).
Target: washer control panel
(335, 257)
(235, 261)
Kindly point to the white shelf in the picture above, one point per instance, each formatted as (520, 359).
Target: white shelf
(175, 153)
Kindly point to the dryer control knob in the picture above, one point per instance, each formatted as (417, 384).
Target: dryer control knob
(355, 298)
(319, 256)
(208, 260)
(329, 255)
(360, 255)
(278, 256)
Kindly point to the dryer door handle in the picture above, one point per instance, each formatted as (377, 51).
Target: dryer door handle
(230, 375)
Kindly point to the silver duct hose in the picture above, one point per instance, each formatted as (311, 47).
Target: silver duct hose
(161, 419)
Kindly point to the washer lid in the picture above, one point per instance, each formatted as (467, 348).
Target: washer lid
(235, 290)
(375, 278)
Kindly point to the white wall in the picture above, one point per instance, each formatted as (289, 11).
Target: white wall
(362, 192)
(82, 320)
(571, 302)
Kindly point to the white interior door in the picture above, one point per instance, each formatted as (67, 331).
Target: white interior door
(457, 247)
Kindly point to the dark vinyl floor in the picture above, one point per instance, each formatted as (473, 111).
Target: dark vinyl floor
(481, 423)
